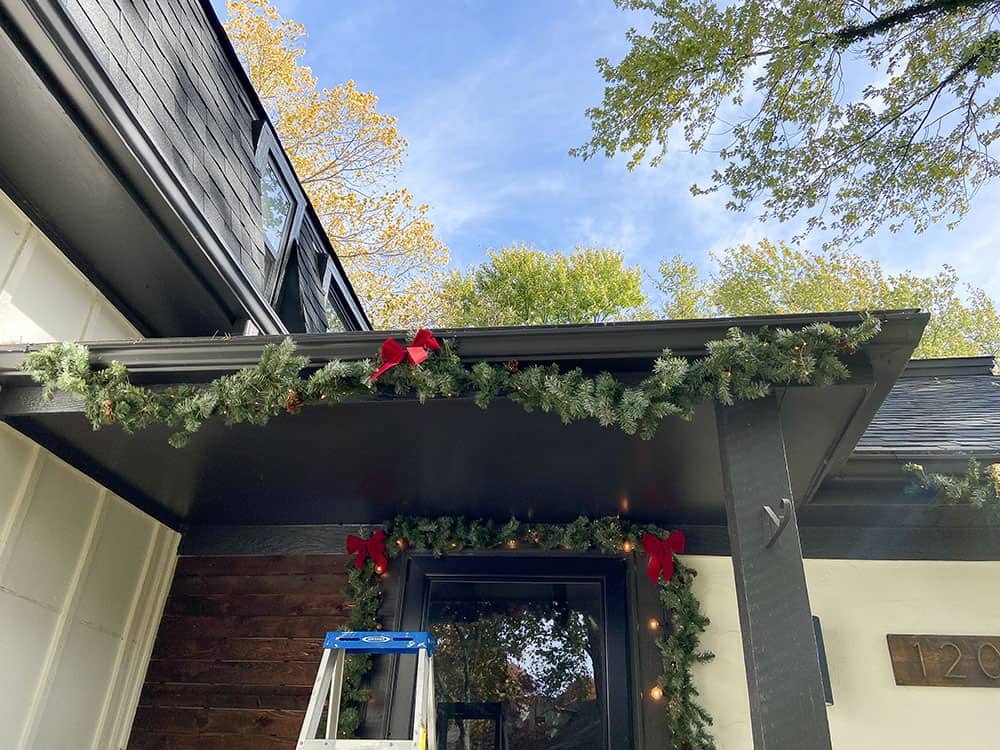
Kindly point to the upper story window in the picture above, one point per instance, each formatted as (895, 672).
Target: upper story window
(282, 206)
(276, 205)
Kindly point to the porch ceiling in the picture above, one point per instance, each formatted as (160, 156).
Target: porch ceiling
(368, 460)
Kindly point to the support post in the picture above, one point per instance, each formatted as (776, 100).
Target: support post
(787, 707)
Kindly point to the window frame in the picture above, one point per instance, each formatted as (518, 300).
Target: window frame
(612, 574)
(268, 153)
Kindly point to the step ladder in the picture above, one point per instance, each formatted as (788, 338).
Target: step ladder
(330, 679)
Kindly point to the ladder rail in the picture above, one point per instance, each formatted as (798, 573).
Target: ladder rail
(328, 690)
(336, 687)
(310, 724)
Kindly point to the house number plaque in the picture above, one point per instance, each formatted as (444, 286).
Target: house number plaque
(946, 660)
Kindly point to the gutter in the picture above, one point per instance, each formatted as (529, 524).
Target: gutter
(203, 358)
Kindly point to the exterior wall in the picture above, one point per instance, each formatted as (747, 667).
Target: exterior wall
(858, 603)
(83, 576)
(237, 651)
(166, 61)
(43, 297)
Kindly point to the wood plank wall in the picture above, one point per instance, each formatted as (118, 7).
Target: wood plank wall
(237, 651)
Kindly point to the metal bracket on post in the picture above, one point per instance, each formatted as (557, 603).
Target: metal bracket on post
(776, 523)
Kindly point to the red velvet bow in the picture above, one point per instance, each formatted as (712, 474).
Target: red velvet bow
(393, 353)
(661, 554)
(373, 547)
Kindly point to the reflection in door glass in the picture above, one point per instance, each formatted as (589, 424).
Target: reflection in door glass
(519, 665)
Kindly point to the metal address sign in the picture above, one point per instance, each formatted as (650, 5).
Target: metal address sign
(945, 660)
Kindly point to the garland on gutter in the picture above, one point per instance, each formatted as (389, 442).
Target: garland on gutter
(678, 645)
(978, 487)
(739, 367)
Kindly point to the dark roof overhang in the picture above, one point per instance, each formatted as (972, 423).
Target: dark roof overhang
(79, 163)
(367, 460)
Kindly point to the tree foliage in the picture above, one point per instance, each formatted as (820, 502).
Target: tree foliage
(347, 156)
(776, 278)
(521, 285)
(849, 115)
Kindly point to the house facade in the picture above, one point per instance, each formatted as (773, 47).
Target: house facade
(156, 597)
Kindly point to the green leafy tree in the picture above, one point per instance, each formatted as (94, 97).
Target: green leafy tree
(521, 285)
(850, 115)
(776, 278)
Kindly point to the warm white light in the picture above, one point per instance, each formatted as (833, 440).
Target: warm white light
(656, 693)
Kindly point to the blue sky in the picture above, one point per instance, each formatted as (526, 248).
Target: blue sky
(491, 96)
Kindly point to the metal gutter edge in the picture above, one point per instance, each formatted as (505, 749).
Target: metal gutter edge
(202, 357)
(53, 22)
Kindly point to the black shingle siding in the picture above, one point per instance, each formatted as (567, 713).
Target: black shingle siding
(165, 59)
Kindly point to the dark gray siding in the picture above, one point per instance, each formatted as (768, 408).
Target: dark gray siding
(311, 264)
(166, 61)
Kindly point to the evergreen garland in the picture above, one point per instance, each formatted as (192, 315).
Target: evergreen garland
(979, 487)
(679, 647)
(741, 366)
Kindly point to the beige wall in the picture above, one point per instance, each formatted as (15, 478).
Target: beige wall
(83, 579)
(859, 602)
(83, 574)
(43, 297)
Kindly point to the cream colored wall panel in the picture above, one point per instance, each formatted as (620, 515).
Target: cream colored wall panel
(16, 456)
(107, 324)
(13, 229)
(45, 298)
(51, 538)
(25, 632)
(115, 568)
(72, 712)
(722, 682)
(859, 602)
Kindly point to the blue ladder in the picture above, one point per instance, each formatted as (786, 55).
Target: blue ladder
(330, 679)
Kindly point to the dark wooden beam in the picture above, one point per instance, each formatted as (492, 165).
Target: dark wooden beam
(787, 707)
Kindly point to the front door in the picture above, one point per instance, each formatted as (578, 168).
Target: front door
(532, 651)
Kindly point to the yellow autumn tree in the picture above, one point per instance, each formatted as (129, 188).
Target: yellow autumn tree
(347, 156)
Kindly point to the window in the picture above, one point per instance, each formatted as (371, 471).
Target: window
(282, 207)
(276, 206)
(532, 652)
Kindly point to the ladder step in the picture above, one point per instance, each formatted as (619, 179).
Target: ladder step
(357, 745)
(381, 642)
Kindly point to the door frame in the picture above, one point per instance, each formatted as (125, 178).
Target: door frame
(610, 572)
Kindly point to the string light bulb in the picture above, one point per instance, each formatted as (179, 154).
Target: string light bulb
(511, 544)
(380, 569)
(401, 543)
(656, 693)
(627, 546)
(654, 624)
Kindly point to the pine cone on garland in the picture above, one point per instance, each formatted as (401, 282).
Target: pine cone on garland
(294, 402)
(846, 346)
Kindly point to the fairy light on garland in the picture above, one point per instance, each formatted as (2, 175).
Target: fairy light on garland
(744, 365)
(678, 639)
